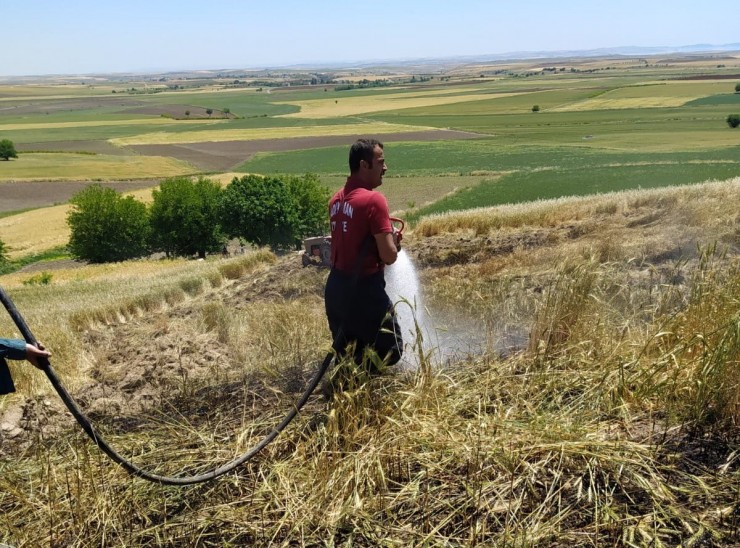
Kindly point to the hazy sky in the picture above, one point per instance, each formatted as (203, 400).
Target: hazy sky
(85, 36)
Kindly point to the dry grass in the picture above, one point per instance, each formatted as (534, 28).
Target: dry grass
(164, 138)
(706, 204)
(74, 167)
(354, 106)
(93, 296)
(614, 423)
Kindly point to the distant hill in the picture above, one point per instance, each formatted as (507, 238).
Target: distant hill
(630, 51)
(419, 63)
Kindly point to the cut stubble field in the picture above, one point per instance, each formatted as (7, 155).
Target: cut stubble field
(354, 106)
(219, 135)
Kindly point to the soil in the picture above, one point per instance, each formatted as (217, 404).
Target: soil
(17, 196)
(226, 155)
(178, 112)
(127, 104)
(49, 106)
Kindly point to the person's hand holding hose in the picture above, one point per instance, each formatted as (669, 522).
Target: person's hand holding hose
(397, 237)
(33, 353)
(397, 232)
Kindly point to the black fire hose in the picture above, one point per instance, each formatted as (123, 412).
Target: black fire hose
(128, 465)
(134, 470)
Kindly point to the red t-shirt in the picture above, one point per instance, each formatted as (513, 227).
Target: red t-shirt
(357, 213)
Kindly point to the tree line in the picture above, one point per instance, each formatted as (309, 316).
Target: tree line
(190, 217)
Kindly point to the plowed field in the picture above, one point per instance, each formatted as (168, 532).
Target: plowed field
(28, 195)
(225, 155)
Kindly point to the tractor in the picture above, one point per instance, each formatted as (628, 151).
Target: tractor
(317, 250)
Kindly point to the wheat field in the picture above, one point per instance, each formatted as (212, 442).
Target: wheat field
(610, 419)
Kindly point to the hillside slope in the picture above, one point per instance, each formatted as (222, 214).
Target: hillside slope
(610, 416)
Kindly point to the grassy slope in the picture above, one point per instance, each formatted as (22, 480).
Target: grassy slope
(615, 422)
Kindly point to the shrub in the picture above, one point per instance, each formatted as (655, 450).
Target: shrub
(274, 211)
(535, 108)
(733, 120)
(44, 278)
(7, 149)
(106, 227)
(184, 217)
(310, 197)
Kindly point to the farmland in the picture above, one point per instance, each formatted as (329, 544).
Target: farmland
(644, 107)
(584, 251)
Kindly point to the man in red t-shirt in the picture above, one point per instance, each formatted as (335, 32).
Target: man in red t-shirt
(363, 241)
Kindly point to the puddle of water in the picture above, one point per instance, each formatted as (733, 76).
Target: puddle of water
(444, 336)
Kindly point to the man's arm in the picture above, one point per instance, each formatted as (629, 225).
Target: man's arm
(386, 247)
(13, 349)
(18, 349)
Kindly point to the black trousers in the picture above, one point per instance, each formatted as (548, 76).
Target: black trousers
(362, 313)
(6, 381)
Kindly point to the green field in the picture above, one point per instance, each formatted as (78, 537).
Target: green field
(527, 172)
(601, 125)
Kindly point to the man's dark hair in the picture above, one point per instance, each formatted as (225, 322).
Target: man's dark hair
(362, 149)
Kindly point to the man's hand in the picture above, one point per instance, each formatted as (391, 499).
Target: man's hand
(33, 354)
(397, 237)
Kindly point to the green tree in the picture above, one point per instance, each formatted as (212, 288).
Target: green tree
(535, 108)
(226, 111)
(209, 111)
(7, 149)
(184, 217)
(260, 210)
(737, 88)
(274, 211)
(107, 227)
(310, 198)
(733, 120)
